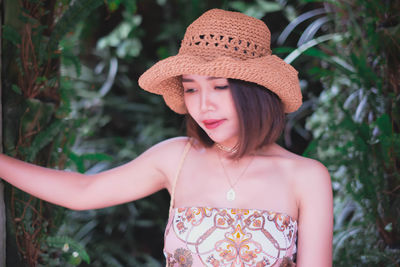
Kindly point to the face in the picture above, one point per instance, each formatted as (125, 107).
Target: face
(209, 101)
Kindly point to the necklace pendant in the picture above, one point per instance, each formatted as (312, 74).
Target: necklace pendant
(231, 195)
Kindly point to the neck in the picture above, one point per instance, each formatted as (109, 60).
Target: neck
(226, 149)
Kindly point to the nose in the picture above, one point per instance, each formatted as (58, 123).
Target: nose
(207, 101)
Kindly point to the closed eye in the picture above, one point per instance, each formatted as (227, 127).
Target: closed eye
(189, 90)
(222, 87)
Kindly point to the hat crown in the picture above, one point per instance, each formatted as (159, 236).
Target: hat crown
(224, 33)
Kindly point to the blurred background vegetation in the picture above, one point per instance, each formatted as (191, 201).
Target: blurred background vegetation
(71, 101)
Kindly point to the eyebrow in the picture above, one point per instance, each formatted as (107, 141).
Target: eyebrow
(209, 78)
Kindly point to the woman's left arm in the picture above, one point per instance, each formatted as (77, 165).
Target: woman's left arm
(315, 221)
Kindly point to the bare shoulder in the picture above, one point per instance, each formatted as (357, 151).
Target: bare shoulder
(308, 176)
(310, 170)
(167, 154)
(295, 165)
(172, 145)
(302, 169)
(312, 182)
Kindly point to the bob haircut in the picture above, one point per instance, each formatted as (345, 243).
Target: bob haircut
(260, 113)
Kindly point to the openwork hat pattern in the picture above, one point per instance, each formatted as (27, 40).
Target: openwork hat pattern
(224, 44)
(217, 34)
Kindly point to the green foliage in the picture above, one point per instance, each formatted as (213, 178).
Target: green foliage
(71, 250)
(129, 5)
(123, 38)
(10, 34)
(75, 13)
(356, 127)
(97, 99)
(16, 89)
(257, 9)
(79, 160)
(306, 48)
(42, 125)
(43, 138)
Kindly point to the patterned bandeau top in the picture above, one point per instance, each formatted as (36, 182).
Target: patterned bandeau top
(229, 237)
(204, 236)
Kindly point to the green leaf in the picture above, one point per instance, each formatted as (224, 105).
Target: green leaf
(238, 5)
(364, 132)
(96, 156)
(282, 50)
(44, 138)
(67, 244)
(385, 124)
(319, 72)
(70, 59)
(67, 94)
(130, 6)
(317, 53)
(41, 79)
(312, 147)
(269, 6)
(316, 41)
(257, 10)
(16, 89)
(386, 145)
(113, 5)
(11, 34)
(78, 161)
(79, 10)
(121, 37)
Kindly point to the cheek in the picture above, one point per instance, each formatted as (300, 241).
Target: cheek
(190, 105)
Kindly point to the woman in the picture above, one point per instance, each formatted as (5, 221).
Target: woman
(237, 198)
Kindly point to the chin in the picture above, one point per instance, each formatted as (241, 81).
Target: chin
(223, 139)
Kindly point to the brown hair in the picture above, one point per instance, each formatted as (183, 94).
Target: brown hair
(261, 118)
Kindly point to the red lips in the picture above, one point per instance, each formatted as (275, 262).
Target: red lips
(212, 124)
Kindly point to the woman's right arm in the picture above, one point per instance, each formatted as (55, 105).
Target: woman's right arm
(143, 176)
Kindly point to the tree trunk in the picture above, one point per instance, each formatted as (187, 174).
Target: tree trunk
(2, 206)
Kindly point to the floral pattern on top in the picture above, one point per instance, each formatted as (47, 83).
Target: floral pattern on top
(200, 236)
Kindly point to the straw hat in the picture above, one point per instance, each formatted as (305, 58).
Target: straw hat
(224, 44)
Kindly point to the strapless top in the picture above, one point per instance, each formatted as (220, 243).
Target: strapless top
(202, 236)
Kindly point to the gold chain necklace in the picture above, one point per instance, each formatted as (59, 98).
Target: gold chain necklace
(226, 149)
(231, 194)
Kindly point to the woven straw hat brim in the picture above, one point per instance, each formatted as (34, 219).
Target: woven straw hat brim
(164, 78)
